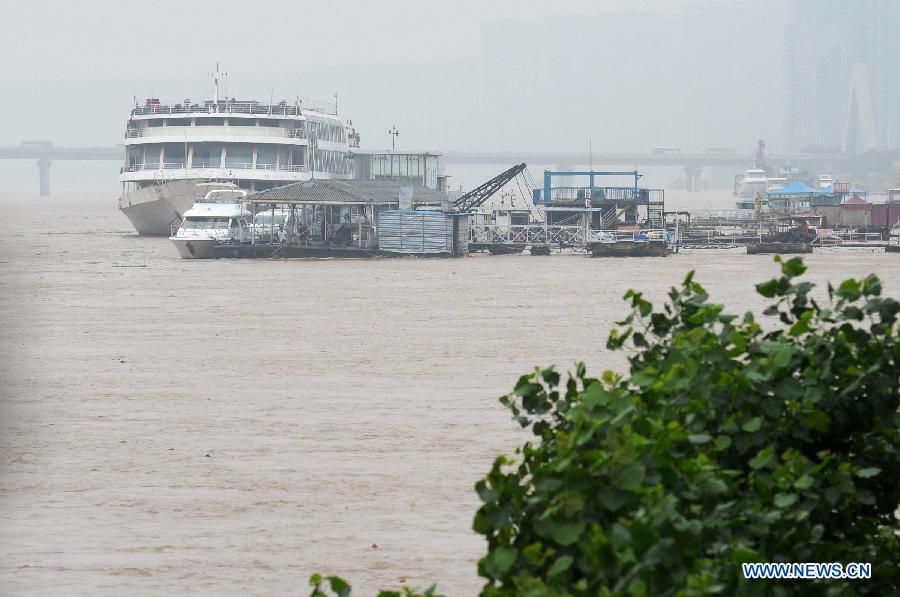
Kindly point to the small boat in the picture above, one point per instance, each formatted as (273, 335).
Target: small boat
(220, 218)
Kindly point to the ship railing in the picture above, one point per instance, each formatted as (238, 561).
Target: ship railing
(242, 166)
(210, 108)
(614, 236)
(262, 131)
(237, 107)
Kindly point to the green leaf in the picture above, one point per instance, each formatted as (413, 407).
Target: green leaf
(783, 500)
(628, 478)
(534, 553)
(849, 289)
(699, 438)
(723, 442)
(504, 558)
(793, 267)
(567, 533)
(752, 425)
(804, 482)
(767, 289)
(762, 458)
(339, 586)
(865, 473)
(561, 564)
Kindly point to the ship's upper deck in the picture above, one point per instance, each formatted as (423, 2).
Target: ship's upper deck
(153, 107)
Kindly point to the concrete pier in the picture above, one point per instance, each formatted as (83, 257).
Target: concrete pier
(43, 165)
(629, 249)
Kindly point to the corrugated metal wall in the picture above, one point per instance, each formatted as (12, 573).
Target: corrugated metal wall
(415, 232)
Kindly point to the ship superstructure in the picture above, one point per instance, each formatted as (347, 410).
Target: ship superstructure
(172, 146)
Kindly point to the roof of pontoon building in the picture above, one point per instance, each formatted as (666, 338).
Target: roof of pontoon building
(346, 191)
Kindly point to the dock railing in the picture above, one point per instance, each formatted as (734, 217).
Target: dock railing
(841, 237)
(577, 236)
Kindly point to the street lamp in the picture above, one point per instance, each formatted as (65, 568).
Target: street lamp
(393, 132)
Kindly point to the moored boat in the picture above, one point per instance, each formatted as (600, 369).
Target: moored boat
(220, 218)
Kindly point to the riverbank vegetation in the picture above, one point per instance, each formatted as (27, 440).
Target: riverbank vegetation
(730, 440)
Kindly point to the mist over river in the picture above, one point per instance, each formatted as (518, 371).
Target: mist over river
(231, 426)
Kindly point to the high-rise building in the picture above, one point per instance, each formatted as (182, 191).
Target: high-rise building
(842, 75)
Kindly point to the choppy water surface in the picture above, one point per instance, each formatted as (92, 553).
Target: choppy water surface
(232, 426)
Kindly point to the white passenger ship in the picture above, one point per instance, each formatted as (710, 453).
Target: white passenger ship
(170, 147)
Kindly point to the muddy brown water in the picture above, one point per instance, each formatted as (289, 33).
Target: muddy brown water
(232, 426)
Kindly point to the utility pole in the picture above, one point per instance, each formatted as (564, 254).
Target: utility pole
(393, 132)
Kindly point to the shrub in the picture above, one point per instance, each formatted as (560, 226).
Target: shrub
(728, 442)
(341, 588)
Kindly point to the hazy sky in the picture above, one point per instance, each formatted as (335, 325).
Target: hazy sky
(517, 75)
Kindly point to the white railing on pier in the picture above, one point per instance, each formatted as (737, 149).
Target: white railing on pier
(839, 237)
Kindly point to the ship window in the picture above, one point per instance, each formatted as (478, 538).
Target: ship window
(151, 156)
(241, 122)
(210, 122)
(207, 155)
(266, 155)
(297, 158)
(156, 122)
(133, 155)
(173, 155)
(199, 223)
(269, 122)
(238, 156)
(178, 122)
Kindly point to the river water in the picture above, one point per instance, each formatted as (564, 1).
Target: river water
(233, 426)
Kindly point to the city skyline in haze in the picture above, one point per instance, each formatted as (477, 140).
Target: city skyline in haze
(506, 76)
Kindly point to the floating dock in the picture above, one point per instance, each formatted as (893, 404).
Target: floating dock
(629, 248)
(779, 248)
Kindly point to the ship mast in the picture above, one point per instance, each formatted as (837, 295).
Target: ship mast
(216, 76)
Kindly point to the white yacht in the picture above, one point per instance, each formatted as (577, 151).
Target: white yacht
(219, 218)
(754, 182)
(171, 146)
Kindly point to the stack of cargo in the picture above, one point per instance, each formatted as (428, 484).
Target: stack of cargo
(416, 232)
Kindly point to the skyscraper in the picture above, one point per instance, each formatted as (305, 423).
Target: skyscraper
(842, 75)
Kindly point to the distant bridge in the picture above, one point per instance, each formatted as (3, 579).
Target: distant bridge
(45, 152)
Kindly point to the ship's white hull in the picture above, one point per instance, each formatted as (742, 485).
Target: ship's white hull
(152, 210)
(195, 248)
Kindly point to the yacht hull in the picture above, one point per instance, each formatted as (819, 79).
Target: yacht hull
(154, 209)
(194, 248)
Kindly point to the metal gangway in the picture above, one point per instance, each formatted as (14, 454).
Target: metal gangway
(562, 235)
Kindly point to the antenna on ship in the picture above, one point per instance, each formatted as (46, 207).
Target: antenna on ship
(335, 104)
(216, 76)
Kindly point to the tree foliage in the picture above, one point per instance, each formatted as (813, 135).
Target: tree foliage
(341, 588)
(729, 441)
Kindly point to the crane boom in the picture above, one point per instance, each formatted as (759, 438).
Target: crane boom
(483, 192)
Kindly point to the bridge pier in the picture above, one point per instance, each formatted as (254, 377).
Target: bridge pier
(43, 165)
(692, 177)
